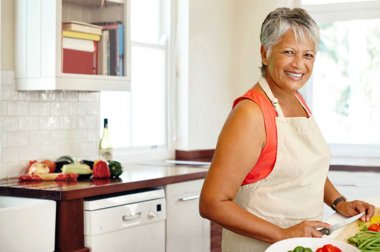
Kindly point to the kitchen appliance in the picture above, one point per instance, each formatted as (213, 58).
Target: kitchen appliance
(134, 221)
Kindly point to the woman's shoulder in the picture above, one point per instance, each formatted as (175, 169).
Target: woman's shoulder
(255, 95)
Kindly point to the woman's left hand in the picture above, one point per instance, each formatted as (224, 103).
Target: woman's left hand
(351, 208)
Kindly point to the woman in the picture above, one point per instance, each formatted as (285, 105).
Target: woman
(268, 178)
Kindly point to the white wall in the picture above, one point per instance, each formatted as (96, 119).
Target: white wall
(219, 61)
(40, 125)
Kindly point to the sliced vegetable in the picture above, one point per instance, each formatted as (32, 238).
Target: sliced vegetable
(101, 170)
(375, 219)
(374, 227)
(76, 168)
(115, 168)
(38, 168)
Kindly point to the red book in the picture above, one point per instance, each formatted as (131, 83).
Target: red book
(79, 56)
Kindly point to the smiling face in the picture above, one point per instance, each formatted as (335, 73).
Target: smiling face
(290, 62)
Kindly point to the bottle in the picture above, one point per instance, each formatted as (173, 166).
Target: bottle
(105, 145)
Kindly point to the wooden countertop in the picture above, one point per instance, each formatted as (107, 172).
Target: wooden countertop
(134, 177)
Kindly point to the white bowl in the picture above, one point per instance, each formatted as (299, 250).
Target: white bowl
(313, 243)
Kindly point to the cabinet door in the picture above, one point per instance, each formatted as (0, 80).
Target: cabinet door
(186, 230)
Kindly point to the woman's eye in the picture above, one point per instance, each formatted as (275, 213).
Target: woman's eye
(288, 52)
(309, 56)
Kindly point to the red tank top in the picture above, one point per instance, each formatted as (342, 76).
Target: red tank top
(267, 158)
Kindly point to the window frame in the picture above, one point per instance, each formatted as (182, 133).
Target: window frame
(349, 154)
(166, 151)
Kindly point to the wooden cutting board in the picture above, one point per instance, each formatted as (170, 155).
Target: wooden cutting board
(351, 229)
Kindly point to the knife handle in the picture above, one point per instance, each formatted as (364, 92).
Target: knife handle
(325, 231)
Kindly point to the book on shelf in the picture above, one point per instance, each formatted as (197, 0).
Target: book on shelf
(79, 56)
(104, 54)
(116, 46)
(81, 35)
(83, 27)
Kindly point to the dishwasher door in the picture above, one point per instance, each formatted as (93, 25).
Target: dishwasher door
(138, 225)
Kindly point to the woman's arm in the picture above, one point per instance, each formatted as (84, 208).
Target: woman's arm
(347, 208)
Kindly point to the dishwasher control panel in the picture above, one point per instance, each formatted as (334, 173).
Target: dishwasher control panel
(103, 215)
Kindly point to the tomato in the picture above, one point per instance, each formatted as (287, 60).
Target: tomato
(329, 248)
(374, 227)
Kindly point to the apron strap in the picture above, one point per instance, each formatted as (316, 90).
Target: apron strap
(264, 85)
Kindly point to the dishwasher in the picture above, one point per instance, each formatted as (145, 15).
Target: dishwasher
(134, 221)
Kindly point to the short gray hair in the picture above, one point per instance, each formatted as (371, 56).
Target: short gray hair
(279, 21)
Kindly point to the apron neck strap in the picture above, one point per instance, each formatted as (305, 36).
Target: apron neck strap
(265, 86)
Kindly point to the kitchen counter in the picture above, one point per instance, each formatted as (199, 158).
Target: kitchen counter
(70, 196)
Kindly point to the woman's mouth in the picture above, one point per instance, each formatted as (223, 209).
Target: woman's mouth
(295, 76)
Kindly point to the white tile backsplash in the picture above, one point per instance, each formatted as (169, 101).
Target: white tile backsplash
(45, 125)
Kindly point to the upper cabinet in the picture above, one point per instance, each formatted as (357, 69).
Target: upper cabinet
(72, 45)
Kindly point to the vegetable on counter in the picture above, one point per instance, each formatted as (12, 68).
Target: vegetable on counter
(49, 176)
(115, 168)
(366, 240)
(50, 164)
(37, 168)
(301, 249)
(80, 169)
(374, 227)
(101, 170)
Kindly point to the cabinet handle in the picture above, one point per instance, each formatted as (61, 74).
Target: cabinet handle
(131, 216)
(189, 198)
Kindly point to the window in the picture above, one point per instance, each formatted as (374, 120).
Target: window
(138, 119)
(344, 90)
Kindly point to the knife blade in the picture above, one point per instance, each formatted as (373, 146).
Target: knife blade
(328, 231)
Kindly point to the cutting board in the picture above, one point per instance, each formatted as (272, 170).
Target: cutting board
(351, 229)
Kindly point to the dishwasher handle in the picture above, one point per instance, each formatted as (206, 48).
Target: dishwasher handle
(131, 216)
(188, 198)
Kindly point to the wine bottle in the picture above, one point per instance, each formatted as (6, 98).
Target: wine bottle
(105, 144)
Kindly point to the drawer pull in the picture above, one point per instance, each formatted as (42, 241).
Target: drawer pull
(189, 198)
(131, 216)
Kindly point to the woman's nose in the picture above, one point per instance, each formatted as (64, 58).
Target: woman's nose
(297, 62)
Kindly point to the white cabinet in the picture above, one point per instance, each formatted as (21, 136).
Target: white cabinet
(38, 43)
(186, 230)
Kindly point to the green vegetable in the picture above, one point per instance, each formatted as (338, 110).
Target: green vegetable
(65, 158)
(366, 240)
(301, 249)
(115, 168)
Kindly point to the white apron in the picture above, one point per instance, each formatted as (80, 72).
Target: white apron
(294, 190)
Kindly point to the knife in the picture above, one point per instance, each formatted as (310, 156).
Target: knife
(328, 231)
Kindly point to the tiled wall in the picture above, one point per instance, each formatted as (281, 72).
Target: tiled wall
(45, 125)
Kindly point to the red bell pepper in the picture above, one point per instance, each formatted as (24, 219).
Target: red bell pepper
(101, 170)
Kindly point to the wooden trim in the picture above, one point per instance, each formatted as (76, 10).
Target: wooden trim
(70, 226)
(194, 155)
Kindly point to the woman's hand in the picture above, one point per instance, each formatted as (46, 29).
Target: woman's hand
(305, 229)
(351, 208)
